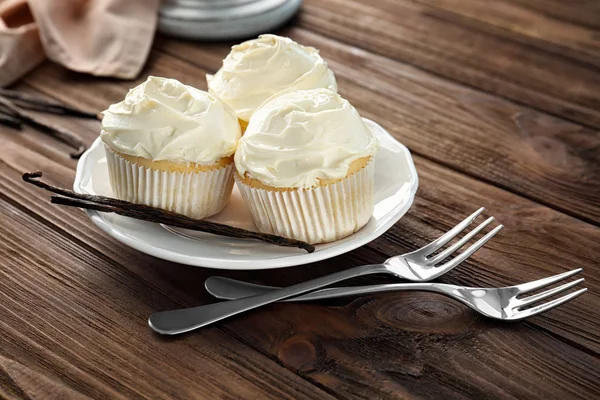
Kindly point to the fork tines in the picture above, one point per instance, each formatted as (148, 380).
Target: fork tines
(524, 307)
(454, 232)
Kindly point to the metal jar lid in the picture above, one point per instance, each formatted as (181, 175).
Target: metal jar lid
(223, 19)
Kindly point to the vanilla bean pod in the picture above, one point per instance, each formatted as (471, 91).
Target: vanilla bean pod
(7, 119)
(28, 101)
(157, 215)
(60, 133)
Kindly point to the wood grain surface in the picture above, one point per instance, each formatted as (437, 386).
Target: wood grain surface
(500, 106)
(411, 33)
(523, 24)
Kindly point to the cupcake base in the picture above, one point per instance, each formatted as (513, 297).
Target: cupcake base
(243, 125)
(194, 190)
(328, 212)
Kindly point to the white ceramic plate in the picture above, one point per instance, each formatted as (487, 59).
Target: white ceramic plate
(396, 182)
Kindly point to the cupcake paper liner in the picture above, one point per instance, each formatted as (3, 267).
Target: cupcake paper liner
(317, 215)
(195, 194)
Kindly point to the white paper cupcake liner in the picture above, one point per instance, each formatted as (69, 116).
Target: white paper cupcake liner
(317, 215)
(197, 195)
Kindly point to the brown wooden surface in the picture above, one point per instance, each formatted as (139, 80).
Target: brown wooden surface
(499, 103)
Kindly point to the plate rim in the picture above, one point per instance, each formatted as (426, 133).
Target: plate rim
(237, 264)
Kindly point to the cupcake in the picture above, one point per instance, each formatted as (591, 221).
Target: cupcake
(262, 68)
(305, 167)
(169, 145)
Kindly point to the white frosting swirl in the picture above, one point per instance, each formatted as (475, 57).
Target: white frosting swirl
(298, 138)
(163, 119)
(259, 69)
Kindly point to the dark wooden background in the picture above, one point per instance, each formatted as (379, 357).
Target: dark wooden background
(499, 101)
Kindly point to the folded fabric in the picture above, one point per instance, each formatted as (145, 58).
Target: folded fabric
(20, 45)
(99, 37)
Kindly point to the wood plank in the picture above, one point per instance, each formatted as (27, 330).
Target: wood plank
(422, 346)
(579, 12)
(524, 25)
(402, 30)
(382, 346)
(545, 158)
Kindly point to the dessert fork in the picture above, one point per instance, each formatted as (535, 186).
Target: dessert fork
(504, 303)
(420, 265)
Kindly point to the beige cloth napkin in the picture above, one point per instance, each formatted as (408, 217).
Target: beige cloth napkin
(99, 37)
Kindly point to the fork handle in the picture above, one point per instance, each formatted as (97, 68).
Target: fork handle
(231, 289)
(186, 319)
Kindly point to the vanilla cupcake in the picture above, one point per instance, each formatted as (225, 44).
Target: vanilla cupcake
(305, 167)
(268, 66)
(169, 145)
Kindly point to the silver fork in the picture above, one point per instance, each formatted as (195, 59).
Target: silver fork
(420, 265)
(504, 303)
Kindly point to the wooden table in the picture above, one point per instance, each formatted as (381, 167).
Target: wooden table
(499, 103)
